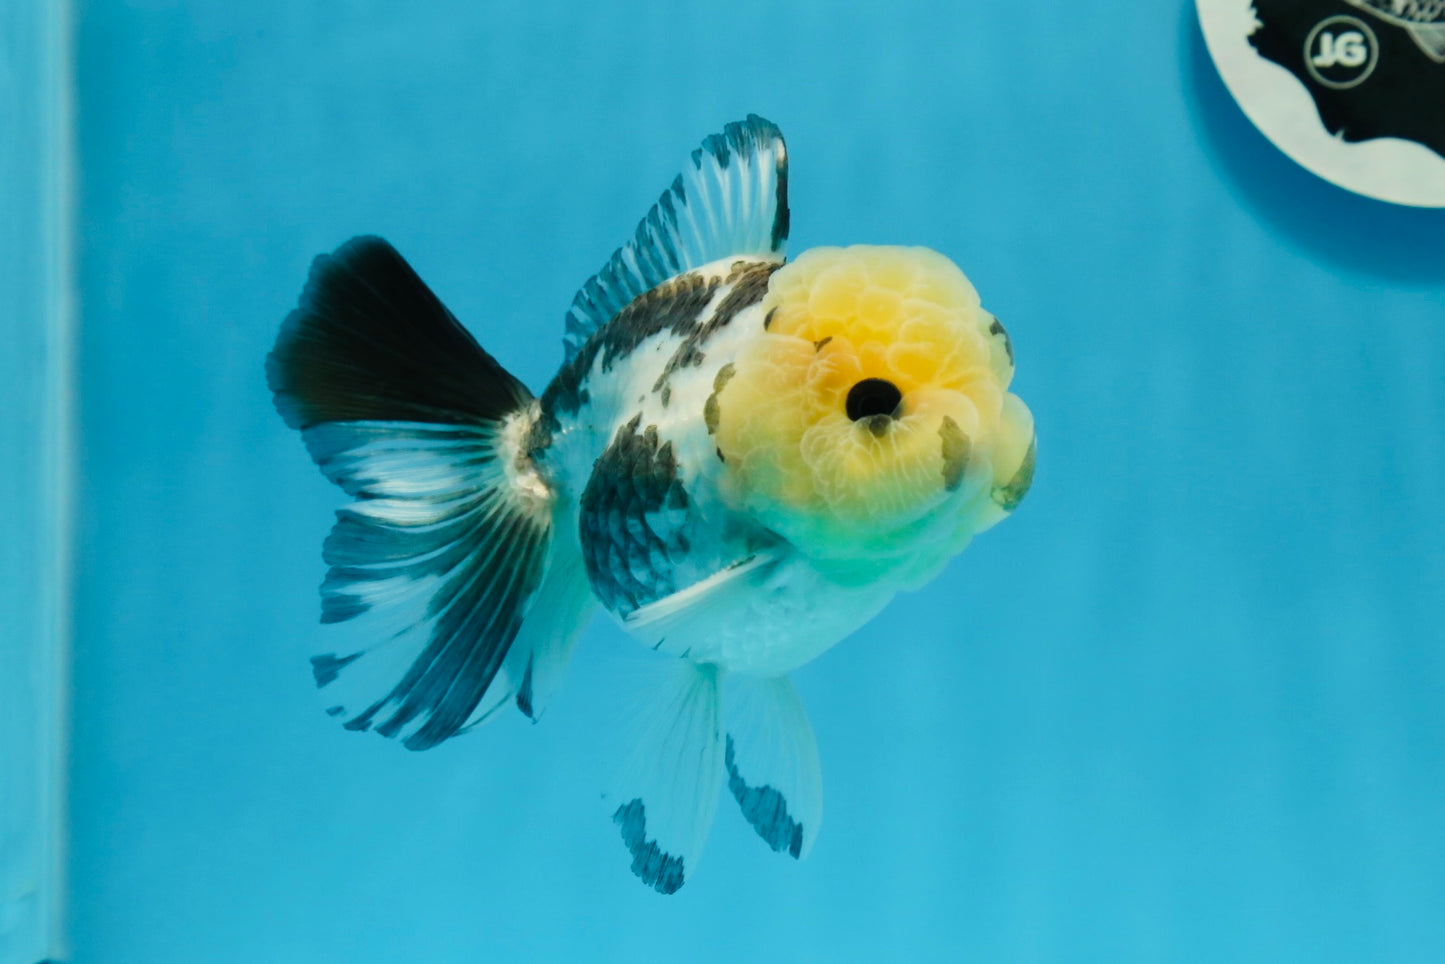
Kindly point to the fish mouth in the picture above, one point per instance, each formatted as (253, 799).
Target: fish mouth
(874, 401)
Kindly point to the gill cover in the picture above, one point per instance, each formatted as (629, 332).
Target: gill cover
(873, 413)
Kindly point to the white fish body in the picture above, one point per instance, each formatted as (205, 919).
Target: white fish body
(762, 610)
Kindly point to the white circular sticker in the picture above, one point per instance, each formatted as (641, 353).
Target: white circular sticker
(1353, 90)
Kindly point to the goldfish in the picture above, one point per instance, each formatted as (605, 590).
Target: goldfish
(742, 459)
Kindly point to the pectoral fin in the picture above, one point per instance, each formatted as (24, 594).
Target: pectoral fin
(693, 604)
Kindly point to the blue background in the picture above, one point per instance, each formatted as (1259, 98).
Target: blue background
(1185, 706)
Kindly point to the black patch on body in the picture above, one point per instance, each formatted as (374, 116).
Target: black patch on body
(655, 867)
(631, 520)
(674, 306)
(538, 438)
(1008, 346)
(956, 449)
(1011, 493)
(766, 809)
(711, 412)
(750, 282)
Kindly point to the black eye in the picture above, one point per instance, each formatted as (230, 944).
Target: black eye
(873, 396)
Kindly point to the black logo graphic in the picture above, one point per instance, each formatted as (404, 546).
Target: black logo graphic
(1375, 68)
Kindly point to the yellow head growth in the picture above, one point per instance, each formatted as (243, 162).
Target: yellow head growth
(874, 410)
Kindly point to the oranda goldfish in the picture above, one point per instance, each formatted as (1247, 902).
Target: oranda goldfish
(742, 459)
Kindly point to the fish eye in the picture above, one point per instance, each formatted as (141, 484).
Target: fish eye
(873, 396)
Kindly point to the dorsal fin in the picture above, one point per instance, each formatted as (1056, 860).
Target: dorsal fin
(731, 201)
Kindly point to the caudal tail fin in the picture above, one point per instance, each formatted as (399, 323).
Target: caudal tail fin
(449, 542)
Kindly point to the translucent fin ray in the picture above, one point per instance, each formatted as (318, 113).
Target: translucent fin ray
(543, 647)
(772, 766)
(437, 562)
(731, 201)
(666, 797)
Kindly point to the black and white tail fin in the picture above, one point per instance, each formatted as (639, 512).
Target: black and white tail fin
(666, 796)
(440, 557)
(772, 763)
